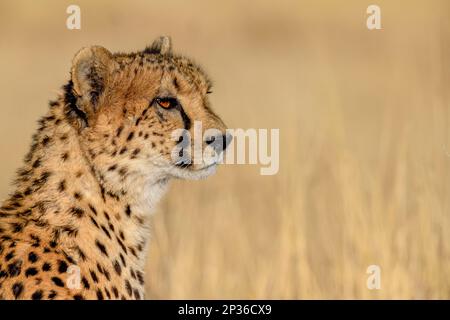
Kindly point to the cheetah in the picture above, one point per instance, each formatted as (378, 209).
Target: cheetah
(77, 224)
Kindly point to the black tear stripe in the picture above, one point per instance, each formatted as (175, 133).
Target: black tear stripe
(184, 116)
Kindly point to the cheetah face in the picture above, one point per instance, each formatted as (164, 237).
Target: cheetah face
(136, 114)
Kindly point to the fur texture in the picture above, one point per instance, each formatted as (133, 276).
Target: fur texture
(100, 161)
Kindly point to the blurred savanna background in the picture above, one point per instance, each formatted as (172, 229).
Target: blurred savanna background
(364, 125)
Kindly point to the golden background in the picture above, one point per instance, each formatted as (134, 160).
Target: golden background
(364, 139)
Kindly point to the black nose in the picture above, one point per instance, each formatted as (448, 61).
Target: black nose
(219, 143)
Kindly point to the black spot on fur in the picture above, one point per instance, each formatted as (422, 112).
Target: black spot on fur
(101, 247)
(16, 227)
(124, 263)
(36, 243)
(117, 267)
(32, 257)
(94, 276)
(130, 136)
(99, 294)
(15, 268)
(65, 156)
(94, 222)
(123, 171)
(119, 131)
(37, 295)
(107, 293)
(28, 191)
(93, 209)
(31, 272)
(81, 253)
(58, 282)
(9, 256)
(128, 287)
(46, 267)
(85, 283)
(17, 289)
(69, 258)
(62, 186)
(37, 163)
(39, 182)
(122, 245)
(77, 212)
(106, 274)
(62, 266)
(115, 292)
(106, 231)
(46, 141)
(133, 252)
(140, 277)
(135, 153)
(53, 103)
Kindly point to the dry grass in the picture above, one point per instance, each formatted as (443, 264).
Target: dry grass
(365, 141)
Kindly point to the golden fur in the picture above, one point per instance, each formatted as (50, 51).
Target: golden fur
(100, 161)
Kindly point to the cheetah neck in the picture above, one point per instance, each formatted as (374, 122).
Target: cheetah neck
(60, 196)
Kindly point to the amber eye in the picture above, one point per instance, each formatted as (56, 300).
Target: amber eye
(166, 103)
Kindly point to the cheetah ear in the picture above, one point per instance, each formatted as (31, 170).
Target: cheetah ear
(90, 70)
(162, 45)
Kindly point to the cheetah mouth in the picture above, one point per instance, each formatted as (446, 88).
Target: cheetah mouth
(207, 167)
(193, 174)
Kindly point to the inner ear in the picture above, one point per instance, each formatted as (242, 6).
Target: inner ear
(90, 71)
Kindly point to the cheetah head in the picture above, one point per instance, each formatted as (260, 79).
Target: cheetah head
(136, 114)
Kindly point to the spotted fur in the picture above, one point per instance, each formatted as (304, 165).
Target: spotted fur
(77, 225)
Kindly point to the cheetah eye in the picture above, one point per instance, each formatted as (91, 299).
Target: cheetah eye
(166, 103)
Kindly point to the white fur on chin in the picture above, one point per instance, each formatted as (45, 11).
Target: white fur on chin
(193, 174)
